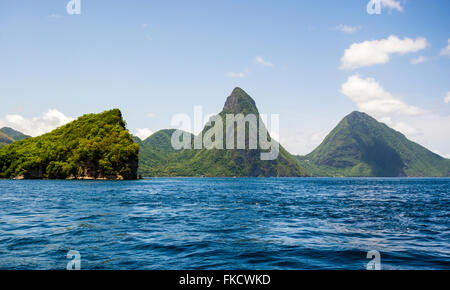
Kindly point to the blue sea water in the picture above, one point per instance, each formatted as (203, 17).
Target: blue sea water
(226, 223)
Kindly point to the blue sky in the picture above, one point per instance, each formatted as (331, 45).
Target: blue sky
(154, 59)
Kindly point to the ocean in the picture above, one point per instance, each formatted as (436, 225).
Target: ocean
(226, 223)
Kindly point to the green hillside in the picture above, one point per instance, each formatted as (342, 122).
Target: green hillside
(158, 158)
(4, 139)
(161, 140)
(361, 146)
(95, 146)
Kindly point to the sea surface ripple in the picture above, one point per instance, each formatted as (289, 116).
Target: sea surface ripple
(226, 223)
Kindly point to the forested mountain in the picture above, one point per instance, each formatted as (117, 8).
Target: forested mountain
(158, 158)
(361, 146)
(95, 146)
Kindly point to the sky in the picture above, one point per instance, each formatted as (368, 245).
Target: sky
(311, 62)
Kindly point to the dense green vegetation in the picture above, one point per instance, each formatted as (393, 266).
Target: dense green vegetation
(93, 146)
(158, 158)
(361, 146)
(161, 140)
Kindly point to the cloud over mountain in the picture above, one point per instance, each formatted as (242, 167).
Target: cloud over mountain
(37, 125)
(371, 97)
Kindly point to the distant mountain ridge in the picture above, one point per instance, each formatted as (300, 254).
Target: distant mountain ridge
(361, 146)
(5, 139)
(14, 134)
(9, 135)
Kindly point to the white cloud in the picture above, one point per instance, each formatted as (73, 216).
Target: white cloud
(261, 61)
(440, 153)
(392, 4)
(347, 28)
(38, 125)
(399, 126)
(430, 128)
(446, 50)
(373, 99)
(418, 60)
(236, 75)
(144, 25)
(143, 133)
(372, 52)
(447, 98)
(301, 143)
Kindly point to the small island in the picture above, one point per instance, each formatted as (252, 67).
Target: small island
(95, 146)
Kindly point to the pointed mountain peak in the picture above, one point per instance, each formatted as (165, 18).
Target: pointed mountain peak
(361, 146)
(238, 91)
(357, 118)
(240, 102)
(356, 115)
